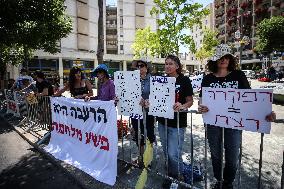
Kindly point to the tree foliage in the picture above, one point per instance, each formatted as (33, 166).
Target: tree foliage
(146, 43)
(28, 25)
(176, 16)
(209, 42)
(270, 34)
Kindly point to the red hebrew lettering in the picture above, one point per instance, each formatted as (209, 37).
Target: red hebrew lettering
(104, 146)
(270, 95)
(238, 122)
(227, 119)
(96, 139)
(12, 106)
(61, 128)
(256, 121)
(251, 96)
(73, 130)
(67, 130)
(79, 134)
(54, 124)
(88, 137)
(213, 94)
(225, 94)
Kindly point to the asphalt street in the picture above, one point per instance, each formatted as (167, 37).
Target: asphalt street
(21, 166)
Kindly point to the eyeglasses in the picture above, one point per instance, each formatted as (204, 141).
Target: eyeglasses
(140, 66)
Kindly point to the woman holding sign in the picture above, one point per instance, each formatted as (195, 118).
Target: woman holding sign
(171, 135)
(224, 74)
(145, 69)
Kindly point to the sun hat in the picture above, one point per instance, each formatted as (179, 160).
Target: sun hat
(100, 67)
(144, 61)
(221, 51)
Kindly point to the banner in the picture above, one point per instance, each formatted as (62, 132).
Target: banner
(84, 134)
(12, 105)
(196, 82)
(243, 109)
(128, 90)
(162, 96)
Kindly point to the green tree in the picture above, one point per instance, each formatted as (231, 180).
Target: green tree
(270, 34)
(28, 25)
(146, 43)
(177, 16)
(209, 42)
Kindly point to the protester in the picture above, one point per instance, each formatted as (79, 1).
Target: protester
(79, 86)
(172, 138)
(106, 90)
(18, 85)
(145, 73)
(224, 75)
(44, 87)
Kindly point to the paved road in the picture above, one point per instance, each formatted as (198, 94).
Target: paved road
(23, 167)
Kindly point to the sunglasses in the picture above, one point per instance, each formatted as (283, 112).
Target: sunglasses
(140, 66)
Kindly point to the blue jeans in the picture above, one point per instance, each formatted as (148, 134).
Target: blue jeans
(172, 149)
(232, 140)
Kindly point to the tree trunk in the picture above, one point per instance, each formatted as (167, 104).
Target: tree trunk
(100, 49)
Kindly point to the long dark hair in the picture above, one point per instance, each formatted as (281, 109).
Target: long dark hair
(177, 61)
(72, 78)
(212, 66)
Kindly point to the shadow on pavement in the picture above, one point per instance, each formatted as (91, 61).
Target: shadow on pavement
(34, 171)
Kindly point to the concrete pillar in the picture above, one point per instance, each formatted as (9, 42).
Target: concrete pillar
(95, 80)
(16, 72)
(120, 66)
(124, 65)
(60, 66)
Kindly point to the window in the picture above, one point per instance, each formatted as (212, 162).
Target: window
(121, 47)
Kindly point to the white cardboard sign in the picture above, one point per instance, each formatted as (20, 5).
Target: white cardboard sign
(162, 96)
(128, 90)
(84, 134)
(243, 109)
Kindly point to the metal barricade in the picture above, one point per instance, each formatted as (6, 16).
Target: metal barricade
(160, 164)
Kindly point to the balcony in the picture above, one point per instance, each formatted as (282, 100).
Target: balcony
(111, 26)
(111, 37)
(111, 47)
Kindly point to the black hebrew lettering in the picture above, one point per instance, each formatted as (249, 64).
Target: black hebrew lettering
(56, 108)
(256, 122)
(214, 97)
(64, 108)
(249, 97)
(220, 116)
(85, 115)
(93, 110)
(225, 94)
(103, 112)
(269, 94)
(73, 112)
(239, 123)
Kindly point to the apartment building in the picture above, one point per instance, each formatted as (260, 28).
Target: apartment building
(244, 15)
(197, 33)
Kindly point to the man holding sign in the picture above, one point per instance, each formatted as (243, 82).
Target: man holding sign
(224, 75)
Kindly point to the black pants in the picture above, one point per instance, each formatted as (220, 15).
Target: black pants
(149, 127)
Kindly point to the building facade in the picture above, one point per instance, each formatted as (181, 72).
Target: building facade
(197, 34)
(244, 15)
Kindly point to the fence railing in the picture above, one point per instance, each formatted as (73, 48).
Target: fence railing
(36, 112)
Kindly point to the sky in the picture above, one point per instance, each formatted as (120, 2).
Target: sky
(204, 2)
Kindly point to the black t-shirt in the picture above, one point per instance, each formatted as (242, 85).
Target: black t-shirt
(44, 84)
(236, 80)
(183, 90)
